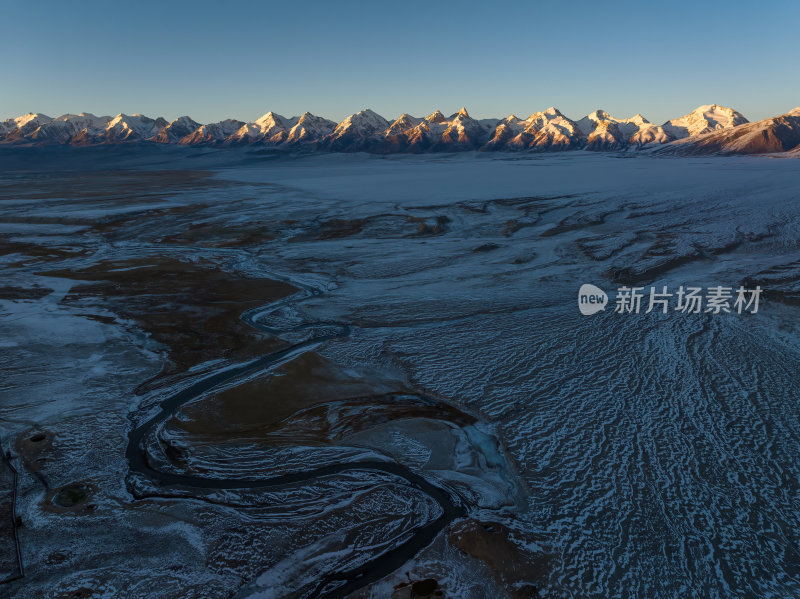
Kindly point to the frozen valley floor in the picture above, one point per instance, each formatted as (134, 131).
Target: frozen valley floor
(336, 375)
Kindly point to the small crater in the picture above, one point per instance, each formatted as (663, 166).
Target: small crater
(74, 498)
(56, 557)
(524, 259)
(79, 593)
(34, 447)
(71, 495)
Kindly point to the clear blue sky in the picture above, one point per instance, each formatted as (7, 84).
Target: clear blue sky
(236, 58)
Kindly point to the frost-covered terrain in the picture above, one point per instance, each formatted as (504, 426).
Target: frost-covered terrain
(230, 374)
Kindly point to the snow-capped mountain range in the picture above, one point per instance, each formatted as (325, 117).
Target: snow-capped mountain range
(707, 129)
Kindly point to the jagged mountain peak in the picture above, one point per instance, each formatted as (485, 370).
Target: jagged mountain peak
(83, 115)
(269, 128)
(406, 119)
(366, 116)
(136, 116)
(31, 119)
(270, 117)
(28, 116)
(309, 130)
(436, 117)
(706, 108)
(405, 122)
(600, 115)
(549, 114)
(358, 127)
(704, 119)
(176, 130)
(308, 119)
(185, 119)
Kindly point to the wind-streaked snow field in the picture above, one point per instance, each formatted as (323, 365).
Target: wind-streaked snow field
(231, 373)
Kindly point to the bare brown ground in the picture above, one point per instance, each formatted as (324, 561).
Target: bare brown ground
(515, 569)
(12, 292)
(221, 235)
(193, 309)
(103, 185)
(308, 400)
(34, 253)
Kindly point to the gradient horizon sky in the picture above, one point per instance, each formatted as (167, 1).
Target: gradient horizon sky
(240, 59)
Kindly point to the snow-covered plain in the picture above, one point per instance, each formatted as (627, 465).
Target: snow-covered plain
(631, 455)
